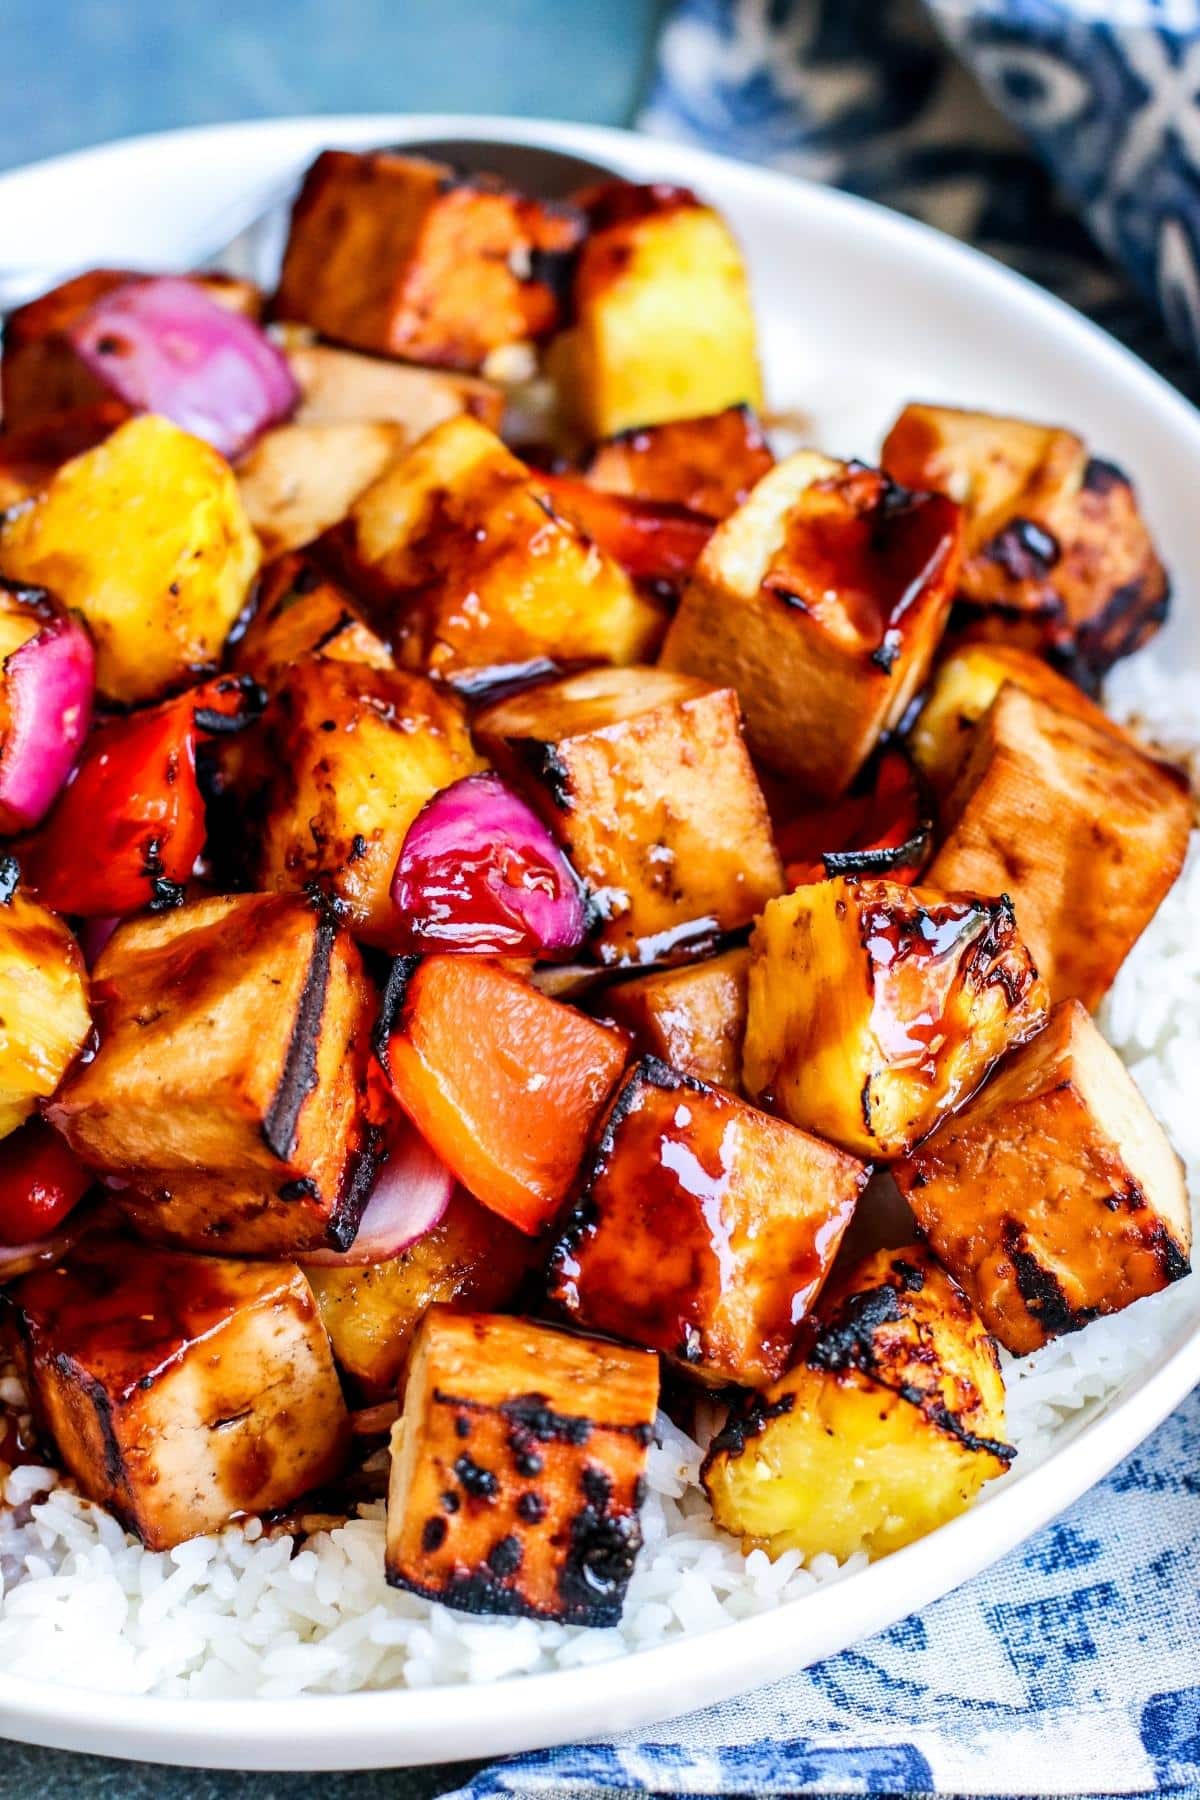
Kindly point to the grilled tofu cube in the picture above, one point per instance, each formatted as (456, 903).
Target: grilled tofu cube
(298, 480)
(643, 776)
(234, 1037)
(875, 1008)
(1058, 558)
(301, 613)
(1054, 1196)
(702, 1228)
(347, 757)
(401, 256)
(1083, 830)
(709, 465)
(518, 1469)
(181, 1391)
(663, 321)
(146, 537)
(466, 566)
(44, 1016)
(29, 458)
(888, 1424)
(693, 1017)
(471, 1260)
(339, 387)
(821, 601)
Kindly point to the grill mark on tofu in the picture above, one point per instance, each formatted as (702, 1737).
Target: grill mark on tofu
(281, 1124)
(1040, 1288)
(362, 1173)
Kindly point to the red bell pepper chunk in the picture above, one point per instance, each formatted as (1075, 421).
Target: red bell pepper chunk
(651, 540)
(40, 1183)
(883, 827)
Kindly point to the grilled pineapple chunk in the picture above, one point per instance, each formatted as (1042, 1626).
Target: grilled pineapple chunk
(874, 1008)
(470, 1259)
(228, 1082)
(1054, 1195)
(466, 567)
(146, 537)
(1083, 830)
(1058, 557)
(702, 1228)
(693, 1018)
(887, 1426)
(517, 1469)
(44, 1016)
(181, 1391)
(643, 776)
(339, 387)
(347, 757)
(301, 613)
(664, 326)
(298, 480)
(821, 600)
(710, 465)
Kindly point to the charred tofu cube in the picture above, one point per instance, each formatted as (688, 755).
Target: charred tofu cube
(708, 465)
(301, 613)
(643, 776)
(234, 1034)
(693, 1017)
(702, 1228)
(663, 321)
(821, 601)
(888, 1424)
(1083, 830)
(518, 1469)
(875, 1008)
(471, 1259)
(1058, 558)
(181, 1391)
(339, 387)
(466, 567)
(298, 480)
(44, 1017)
(347, 756)
(400, 256)
(1054, 1196)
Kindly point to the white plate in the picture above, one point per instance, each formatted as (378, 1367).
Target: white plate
(860, 310)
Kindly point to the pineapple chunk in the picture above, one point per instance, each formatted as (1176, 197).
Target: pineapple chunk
(644, 778)
(1054, 1196)
(181, 1391)
(886, 1427)
(709, 465)
(663, 322)
(230, 1072)
(44, 1016)
(298, 480)
(302, 613)
(1083, 830)
(518, 1469)
(693, 1018)
(702, 1228)
(876, 1008)
(339, 387)
(821, 600)
(466, 567)
(146, 537)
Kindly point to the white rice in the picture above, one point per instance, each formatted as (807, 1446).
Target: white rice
(82, 1604)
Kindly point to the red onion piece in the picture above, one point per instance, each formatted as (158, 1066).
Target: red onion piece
(49, 682)
(479, 872)
(19, 1259)
(409, 1197)
(162, 345)
(93, 935)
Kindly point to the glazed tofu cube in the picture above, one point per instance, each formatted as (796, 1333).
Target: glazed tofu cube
(821, 601)
(518, 1469)
(693, 1017)
(466, 567)
(146, 537)
(888, 1424)
(471, 1260)
(875, 1008)
(298, 480)
(643, 776)
(1083, 830)
(339, 387)
(702, 1228)
(346, 758)
(234, 1039)
(29, 458)
(710, 465)
(181, 1391)
(44, 1016)
(1058, 558)
(663, 321)
(400, 256)
(1054, 1196)
(301, 613)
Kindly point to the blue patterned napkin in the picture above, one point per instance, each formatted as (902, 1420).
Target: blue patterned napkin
(1073, 1666)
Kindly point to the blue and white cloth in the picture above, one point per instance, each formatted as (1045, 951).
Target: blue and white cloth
(1073, 1666)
